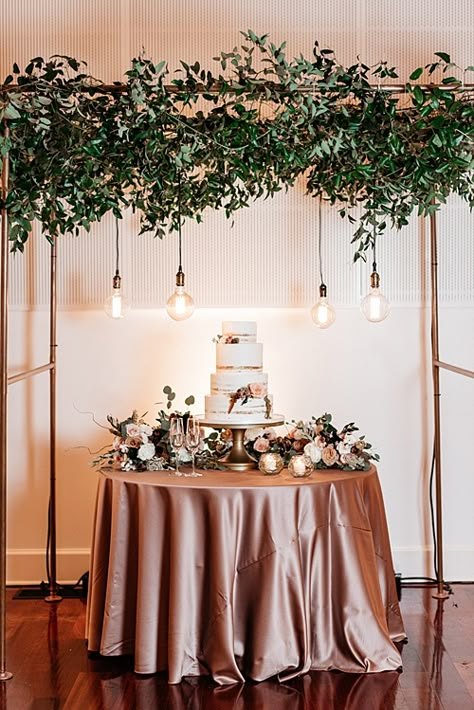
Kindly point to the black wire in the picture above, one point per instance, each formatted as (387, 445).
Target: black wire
(116, 246)
(180, 268)
(433, 529)
(374, 263)
(321, 280)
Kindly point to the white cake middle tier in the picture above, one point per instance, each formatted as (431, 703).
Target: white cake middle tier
(229, 381)
(239, 356)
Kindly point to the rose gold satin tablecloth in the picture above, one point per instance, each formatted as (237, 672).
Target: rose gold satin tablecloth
(243, 576)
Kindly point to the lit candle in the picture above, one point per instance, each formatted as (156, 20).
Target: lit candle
(300, 466)
(270, 464)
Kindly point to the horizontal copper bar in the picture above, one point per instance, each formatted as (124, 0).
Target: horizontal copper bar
(30, 373)
(453, 368)
(217, 88)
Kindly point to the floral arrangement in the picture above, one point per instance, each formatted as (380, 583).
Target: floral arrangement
(139, 446)
(319, 439)
(254, 390)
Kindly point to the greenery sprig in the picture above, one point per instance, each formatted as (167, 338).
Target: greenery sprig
(79, 149)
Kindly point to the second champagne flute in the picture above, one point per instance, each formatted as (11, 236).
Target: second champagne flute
(176, 441)
(192, 441)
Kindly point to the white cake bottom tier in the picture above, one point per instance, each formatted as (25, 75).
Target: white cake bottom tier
(216, 408)
(227, 382)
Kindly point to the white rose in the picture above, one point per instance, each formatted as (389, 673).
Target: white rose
(146, 429)
(313, 451)
(343, 448)
(146, 452)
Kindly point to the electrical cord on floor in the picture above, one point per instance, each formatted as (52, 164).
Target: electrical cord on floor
(83, 581)
(430, 581)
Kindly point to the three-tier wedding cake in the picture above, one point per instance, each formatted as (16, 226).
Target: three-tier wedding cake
(239, 387)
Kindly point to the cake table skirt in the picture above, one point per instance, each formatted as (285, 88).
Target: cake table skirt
(242, 577)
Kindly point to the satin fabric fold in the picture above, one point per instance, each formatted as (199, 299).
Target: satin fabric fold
(242, 576)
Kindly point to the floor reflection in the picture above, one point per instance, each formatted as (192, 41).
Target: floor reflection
(313, 690)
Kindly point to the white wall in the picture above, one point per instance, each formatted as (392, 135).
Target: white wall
(264, 269)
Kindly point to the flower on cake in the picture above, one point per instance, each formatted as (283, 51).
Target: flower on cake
(226, 339)
(258, 389)
(255, 390)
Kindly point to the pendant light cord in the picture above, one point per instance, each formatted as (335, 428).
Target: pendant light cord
(180, 268)
(319, 243)
(117, 254)
(374, 263)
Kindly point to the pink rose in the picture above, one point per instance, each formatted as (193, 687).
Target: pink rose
(258, 389)
(134, 442)
(226, 435)
(133, 430)
(329, 455)
(261, 445)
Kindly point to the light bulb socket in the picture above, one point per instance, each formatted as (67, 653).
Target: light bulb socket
(117, 280)
(323, 292)
(374, 280)
(180, 277)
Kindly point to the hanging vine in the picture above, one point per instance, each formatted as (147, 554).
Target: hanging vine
(79, 149)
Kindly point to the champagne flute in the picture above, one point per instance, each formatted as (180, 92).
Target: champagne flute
(176, 440)
(192, 441)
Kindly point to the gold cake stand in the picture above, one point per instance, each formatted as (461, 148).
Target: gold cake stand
(238, 459)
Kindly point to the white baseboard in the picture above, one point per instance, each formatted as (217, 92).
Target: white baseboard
(417, 561)
(28, 566)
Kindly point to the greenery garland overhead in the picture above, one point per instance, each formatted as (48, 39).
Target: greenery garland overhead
(79, 149)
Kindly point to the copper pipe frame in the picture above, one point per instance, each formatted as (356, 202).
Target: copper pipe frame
(30, 373)
(4, 674)
(120, 88)
(53, 596)
(453, 368)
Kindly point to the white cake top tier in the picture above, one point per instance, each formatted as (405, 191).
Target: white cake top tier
(240, 328)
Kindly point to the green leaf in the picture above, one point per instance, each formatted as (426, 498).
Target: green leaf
(416, 74)
(445, 57)
(11, 112)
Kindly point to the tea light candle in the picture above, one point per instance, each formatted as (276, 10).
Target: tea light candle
(270, 464)
(300, 466)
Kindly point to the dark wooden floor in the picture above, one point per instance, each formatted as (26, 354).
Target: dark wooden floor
(47, 655)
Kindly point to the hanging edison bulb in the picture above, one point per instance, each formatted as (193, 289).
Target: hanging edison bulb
(180, 305)
(375, 306)
(323, 313)
(117, 305)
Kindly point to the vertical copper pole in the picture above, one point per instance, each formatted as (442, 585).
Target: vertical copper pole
(440, 593)
(4, 674)
(53, 596)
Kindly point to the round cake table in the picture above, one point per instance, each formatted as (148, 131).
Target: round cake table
(240, 576)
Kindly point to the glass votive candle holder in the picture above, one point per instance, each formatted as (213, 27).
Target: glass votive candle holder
(270, 464)
(300, 466)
